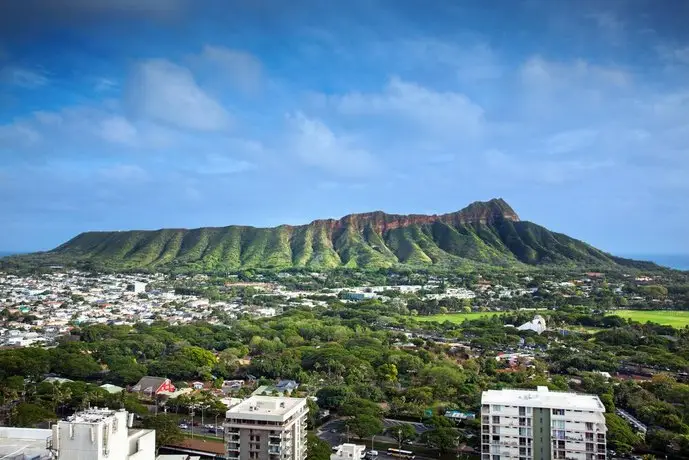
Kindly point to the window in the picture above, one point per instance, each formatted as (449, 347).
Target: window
(486, 419)
(496, 408)
(496, 439)
(558, 412)
(496, 430)
(559, 424)
(589, 426)
(496, 419)
(522, 411)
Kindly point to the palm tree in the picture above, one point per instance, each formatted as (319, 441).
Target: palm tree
(60, 395)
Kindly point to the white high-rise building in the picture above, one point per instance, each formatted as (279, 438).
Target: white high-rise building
(541, 425)
(102, 434)
(267, 428)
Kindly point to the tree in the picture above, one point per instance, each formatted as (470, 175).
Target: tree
(28, 415)
(166, 428)
(316, 448)
(620, 435)
(359, 406)
(387, 373)
(332, 397)
(365, 426)
(443, 438)
(402, 433)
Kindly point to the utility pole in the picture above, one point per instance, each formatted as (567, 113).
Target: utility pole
(192, 422)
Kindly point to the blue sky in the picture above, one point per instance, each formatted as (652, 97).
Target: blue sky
(121, 114)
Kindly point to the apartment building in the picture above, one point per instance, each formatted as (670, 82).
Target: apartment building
(99, 434)
(541, 425)
(267, 428)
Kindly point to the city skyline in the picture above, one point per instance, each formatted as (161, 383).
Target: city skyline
(154, 114)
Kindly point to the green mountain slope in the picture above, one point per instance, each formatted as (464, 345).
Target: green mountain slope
(486, 233)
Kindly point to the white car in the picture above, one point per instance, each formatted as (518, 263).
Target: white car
(184, 426)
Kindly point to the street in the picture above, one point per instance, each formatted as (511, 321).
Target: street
(335, 431)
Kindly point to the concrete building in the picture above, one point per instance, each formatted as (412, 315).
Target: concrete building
(348, 452)
(267, 428)
(540, 425)
(537, 324)
(100, 434)
(24, 443)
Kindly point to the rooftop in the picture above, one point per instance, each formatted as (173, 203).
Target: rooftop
(266, 407)
(30, 442)
(543, 398)
(94, 415)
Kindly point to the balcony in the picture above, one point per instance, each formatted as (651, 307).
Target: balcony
(273, 450)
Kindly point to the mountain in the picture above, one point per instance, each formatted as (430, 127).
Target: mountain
(483, 233)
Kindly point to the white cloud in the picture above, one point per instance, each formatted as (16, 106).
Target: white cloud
(440, 112)
(316, 145)
(166, 92)
(242, 68)
(18, 134)
(117, 129)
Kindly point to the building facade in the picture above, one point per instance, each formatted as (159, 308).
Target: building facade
(541, 425)
(101, 434)
(267, 428)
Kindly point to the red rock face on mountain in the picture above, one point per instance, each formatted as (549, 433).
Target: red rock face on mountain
(484, 212)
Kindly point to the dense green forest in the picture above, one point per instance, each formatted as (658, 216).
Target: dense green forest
(360, 362)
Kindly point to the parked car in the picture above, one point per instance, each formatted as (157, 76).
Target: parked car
(184, 426)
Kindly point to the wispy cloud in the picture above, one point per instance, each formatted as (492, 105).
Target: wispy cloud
(439, 112)
(23, 77)
(167, 93)
(241, 68)
(609, 24)
(316, 144)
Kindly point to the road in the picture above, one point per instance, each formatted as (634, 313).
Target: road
(335, 432)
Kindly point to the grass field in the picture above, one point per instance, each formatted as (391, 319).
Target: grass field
(457, 317)
(676, 319)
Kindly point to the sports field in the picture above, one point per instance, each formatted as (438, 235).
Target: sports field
(676, 319)
(457, 317)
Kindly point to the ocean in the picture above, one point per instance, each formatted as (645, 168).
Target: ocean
(676, 261)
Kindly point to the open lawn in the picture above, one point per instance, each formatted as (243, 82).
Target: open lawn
(676, 319)
(457, 317)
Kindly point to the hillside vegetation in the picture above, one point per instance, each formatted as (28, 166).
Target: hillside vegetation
(484, 233)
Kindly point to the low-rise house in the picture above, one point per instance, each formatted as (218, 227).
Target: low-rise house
(151, 386)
